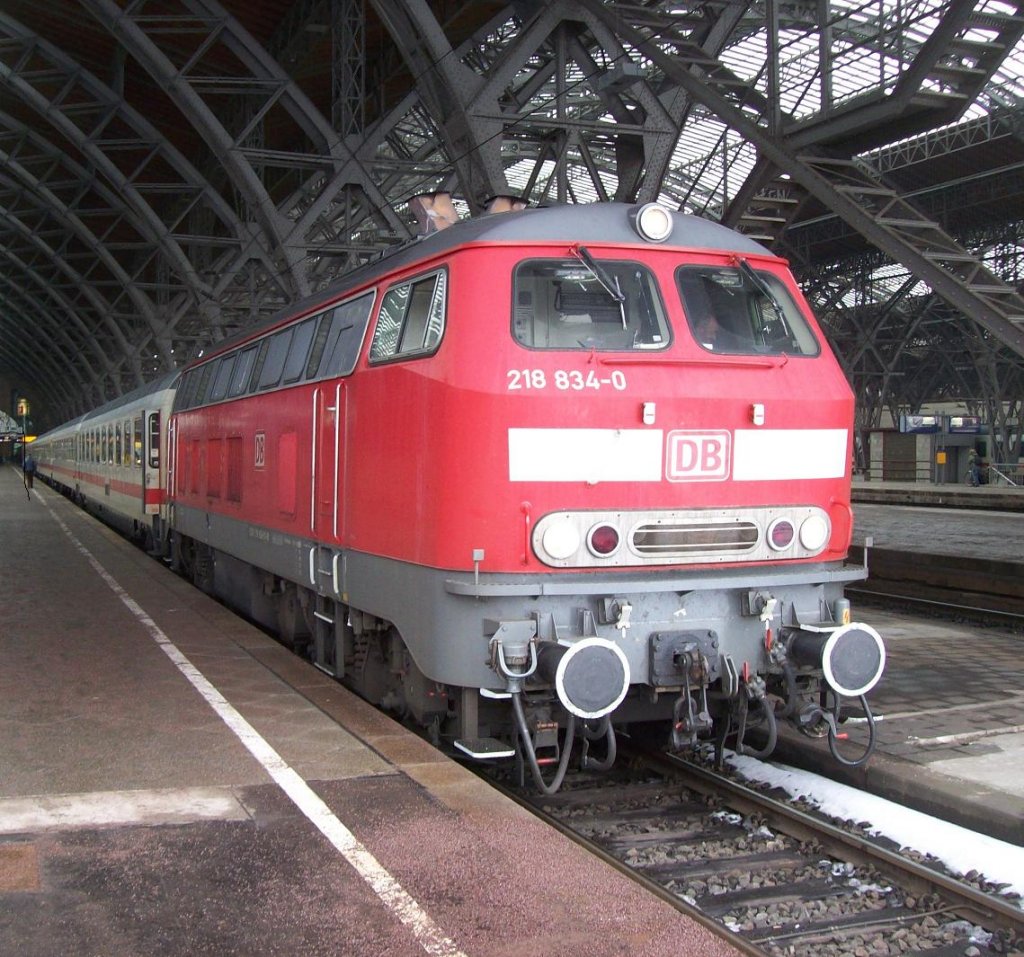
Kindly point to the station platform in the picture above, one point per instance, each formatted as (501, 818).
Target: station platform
(951, 702)
(963, 533)
(950, 724)
(173, 781)
(1000, 498)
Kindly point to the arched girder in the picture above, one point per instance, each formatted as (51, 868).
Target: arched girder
(141, 46)
(49, 304)
(23, 148)
(969, 301)
(20, 311)
(318, 156)
(108, 105)
(448, 88)
(62, 273)
(51, 206)
(41, 377)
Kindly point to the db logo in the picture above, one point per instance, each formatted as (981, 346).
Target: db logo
(697, 456)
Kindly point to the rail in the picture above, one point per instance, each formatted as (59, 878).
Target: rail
(764, 874)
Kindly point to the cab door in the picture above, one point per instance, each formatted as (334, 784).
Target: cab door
(328, 415)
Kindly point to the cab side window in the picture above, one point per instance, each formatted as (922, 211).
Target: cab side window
(412, 318)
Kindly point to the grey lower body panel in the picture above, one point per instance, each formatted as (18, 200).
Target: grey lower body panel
(446, 619)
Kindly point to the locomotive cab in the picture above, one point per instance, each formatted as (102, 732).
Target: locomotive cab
(675, 511)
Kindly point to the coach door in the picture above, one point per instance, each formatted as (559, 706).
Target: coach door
(328, 416)
(147, 449)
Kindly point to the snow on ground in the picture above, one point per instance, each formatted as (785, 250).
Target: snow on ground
(958, 848)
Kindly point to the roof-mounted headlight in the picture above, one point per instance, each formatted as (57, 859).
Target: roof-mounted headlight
(653, 222)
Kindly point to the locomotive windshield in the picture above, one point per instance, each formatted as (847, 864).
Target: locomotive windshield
(741, 312)
(568, 304)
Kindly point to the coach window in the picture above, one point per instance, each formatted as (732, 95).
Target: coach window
(411, 320)
(572, 304)
(348, 324)
(742, 311)
(242, 371)
(126, 451)
(295, 363)
(137, 442)
(223, 378)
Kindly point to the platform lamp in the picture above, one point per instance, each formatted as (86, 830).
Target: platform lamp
(23, 412)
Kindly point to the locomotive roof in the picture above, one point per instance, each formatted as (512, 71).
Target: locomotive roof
(606, 223)
(597, 223)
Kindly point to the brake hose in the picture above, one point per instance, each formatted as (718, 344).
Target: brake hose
(524, 733)
(833, 736)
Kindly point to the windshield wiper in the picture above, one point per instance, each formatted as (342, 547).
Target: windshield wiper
(759, 283)
(608, 283)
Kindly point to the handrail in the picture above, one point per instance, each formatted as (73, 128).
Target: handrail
(1006, 478)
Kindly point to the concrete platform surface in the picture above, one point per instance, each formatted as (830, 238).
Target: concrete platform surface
(174, 782)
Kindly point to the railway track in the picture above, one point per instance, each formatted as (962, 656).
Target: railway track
(981, 589)
(770, 877)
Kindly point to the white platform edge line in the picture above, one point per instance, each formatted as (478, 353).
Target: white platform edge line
(427, 933)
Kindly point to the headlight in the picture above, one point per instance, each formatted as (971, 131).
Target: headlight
(561, 540)
(653, 222)
(814, 532)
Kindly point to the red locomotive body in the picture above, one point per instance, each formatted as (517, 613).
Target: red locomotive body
(561, 469)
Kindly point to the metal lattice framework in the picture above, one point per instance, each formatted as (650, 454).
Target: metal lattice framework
(172, 171)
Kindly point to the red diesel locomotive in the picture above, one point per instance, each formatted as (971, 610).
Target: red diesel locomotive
(536, 476)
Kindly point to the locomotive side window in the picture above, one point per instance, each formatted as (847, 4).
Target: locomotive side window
(295, 364)
(411, 318)
(261, 357)
(740, 311)
(563, 304)
(203, 386)
(344, 329)
(273, 364)
(243, 369)
(222, 378)
(183, 400)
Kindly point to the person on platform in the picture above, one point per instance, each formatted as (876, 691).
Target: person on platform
(29, 468)
(973, 472)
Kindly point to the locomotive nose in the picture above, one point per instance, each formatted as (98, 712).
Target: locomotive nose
(591, 676)
(852, 657)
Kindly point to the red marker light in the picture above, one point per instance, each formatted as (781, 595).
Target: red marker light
(781, 534)
(604, 539)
